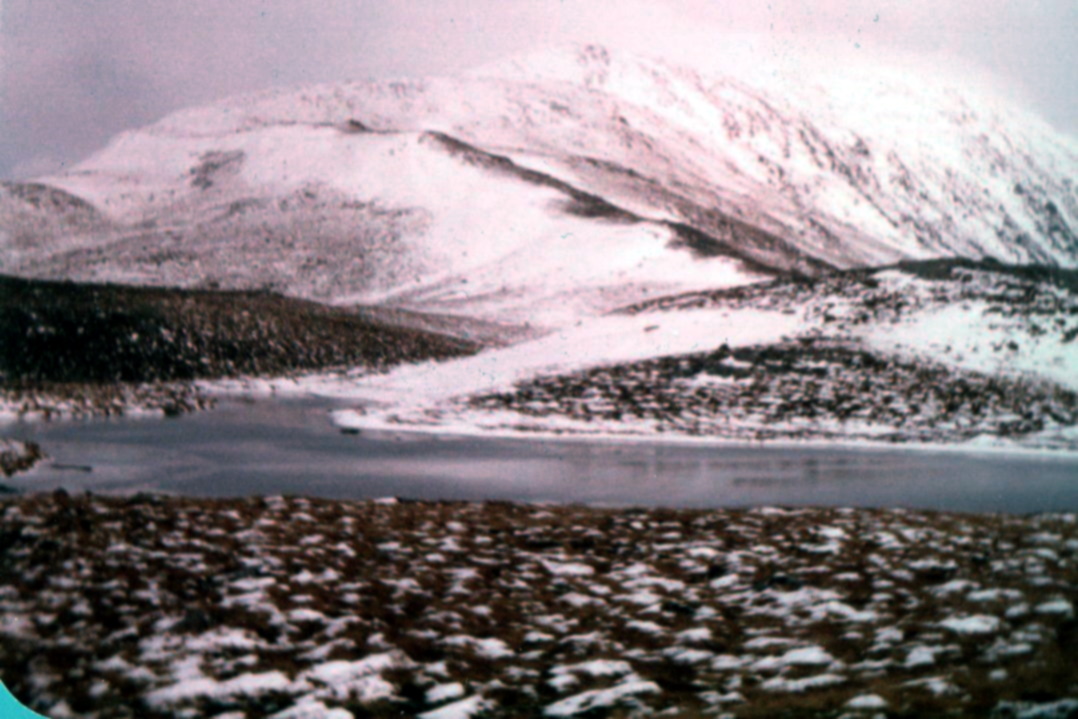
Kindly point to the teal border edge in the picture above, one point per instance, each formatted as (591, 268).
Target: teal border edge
(12, 708)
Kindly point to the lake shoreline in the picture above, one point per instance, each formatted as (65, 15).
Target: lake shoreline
(292, 447)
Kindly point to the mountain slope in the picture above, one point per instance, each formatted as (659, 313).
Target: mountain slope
(549, 188)
(945, 351)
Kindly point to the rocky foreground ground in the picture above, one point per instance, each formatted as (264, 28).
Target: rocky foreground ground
(294, 608)
(17, 456)
(807, 389)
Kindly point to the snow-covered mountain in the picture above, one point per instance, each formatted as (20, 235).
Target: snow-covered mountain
(548, 188)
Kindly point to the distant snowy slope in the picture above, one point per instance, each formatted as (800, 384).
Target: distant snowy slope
(853, 172)
(550, 187)
(412, 218)
(942, 351)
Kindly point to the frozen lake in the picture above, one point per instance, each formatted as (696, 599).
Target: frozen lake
(291, 448)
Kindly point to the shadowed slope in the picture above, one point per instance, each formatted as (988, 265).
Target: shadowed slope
(66, 332)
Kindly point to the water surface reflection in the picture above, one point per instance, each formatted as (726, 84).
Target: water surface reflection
(290, 448)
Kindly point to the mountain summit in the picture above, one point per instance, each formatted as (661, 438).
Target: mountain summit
(546, 188)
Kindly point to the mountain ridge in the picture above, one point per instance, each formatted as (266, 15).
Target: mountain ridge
(343, 179)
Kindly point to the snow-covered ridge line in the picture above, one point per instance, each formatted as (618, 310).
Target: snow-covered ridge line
(943, 269)
(732, 237)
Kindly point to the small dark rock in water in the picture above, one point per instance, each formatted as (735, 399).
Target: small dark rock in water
(74, 467)
(350, 430)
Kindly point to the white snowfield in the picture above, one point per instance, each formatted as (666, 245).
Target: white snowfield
(415, 389)
(976, 336)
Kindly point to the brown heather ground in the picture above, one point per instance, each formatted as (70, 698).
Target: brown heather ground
(152, 607)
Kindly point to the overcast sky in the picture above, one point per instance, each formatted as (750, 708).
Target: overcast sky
(75, 72)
